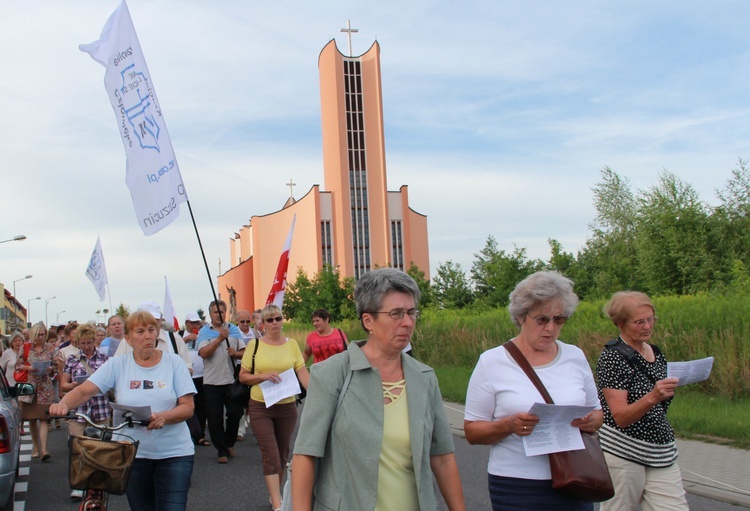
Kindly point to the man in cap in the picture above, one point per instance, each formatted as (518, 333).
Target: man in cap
(197, 422)
(220, 347)
(167, 342)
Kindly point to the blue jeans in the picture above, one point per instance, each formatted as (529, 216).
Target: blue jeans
(160, 485)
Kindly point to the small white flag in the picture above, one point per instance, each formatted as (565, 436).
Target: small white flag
(97, 271)
(170, 314)
(152, 175)
(278, 288)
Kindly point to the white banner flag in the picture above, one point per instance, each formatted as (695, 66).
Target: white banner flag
(152, 176)
(97, 271)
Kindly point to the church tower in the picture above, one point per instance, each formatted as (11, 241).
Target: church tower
(355, 224)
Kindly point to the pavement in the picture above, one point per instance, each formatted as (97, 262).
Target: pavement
(709, 470)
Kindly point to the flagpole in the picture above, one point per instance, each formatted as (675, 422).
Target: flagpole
(205, 262)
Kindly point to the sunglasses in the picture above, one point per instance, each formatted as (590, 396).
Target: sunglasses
(543, 320)
(277, 319)
(243, 321)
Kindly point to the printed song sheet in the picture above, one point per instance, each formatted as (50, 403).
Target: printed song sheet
(692, 371)
(554, 433)
(140, 413)
(275, 392)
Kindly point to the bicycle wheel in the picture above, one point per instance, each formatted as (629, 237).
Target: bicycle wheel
(96, 500)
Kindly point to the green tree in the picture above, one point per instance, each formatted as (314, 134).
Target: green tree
(450, 286)
(495, 273)
(422, 283)
(608, 261)
(326, 290)
(122, 310)
(733, 214)
(676, 241)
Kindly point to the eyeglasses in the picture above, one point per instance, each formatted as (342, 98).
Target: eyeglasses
(643, 322)
(243, 321)
(399, 313)
(544, 320)
(277, 319)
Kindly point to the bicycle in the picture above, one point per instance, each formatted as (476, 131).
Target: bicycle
(99, 464)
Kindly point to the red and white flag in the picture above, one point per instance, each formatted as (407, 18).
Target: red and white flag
(276, 296)
(170, 314)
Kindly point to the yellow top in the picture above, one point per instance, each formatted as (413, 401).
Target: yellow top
(270, 358)
(397, 485)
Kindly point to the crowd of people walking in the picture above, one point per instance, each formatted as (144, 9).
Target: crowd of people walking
(373, 433)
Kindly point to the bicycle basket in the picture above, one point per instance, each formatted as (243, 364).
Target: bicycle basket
(100, 465)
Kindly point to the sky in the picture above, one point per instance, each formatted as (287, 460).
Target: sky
(499, 115)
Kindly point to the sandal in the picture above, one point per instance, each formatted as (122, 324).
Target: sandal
(34, 454)
(46, 456)
(203, 442)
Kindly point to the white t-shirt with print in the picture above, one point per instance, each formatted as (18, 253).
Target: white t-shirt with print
(158, 387)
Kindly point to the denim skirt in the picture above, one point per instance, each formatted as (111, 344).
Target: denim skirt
(512, 494)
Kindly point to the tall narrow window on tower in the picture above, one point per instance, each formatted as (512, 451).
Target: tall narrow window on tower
(355, 136)
(397, 253)
(325, 239)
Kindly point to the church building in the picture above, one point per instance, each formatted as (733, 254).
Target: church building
(354, 223)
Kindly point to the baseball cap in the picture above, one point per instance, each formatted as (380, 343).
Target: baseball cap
(151, 307)
(192, 316)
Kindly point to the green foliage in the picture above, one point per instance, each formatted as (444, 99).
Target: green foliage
(495, 273)
(326, 290)
(423, 284)
(450, 287)
(122, 310)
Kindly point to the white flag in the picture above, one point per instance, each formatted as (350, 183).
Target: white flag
(278, 288)
(97, 271)
(152, 175)
(170, 314)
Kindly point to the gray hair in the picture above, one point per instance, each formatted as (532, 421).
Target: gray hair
(16, 333)
(538, 288)
(373, 286)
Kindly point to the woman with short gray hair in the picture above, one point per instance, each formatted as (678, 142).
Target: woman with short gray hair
(500, 395)
(374, 417)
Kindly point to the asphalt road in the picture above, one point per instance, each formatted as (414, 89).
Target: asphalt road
(239, 484)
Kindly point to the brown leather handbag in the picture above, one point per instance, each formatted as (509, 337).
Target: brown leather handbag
(580, 474)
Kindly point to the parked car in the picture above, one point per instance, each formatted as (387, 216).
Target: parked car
(10, 437)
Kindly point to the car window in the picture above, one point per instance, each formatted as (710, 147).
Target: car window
(4, 391)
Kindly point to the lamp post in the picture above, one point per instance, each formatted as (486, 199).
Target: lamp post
(19, 237)
(46, 307)
(58, 316)
(15, 309)
(28, 310)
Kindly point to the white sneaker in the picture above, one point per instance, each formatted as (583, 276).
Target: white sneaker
(76, 494)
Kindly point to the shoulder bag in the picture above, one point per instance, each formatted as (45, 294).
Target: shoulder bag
(239, 393)
(23, 376)
(580, 474)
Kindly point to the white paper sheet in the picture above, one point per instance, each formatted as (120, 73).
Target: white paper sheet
(553, 432)
(275, 392)
(40, 368)
(140, 413)
(692, 371)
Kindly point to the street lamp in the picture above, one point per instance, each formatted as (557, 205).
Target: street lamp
(58, 316)
(19, 237)
(15, 309)
(28, 309)
(46, 306)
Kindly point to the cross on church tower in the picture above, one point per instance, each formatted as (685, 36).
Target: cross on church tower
(349, 31)
(290, 184)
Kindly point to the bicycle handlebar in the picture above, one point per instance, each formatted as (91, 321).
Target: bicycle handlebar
(128, 416)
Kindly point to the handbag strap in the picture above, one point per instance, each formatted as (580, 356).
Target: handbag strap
(252, 367)
(343, 339)
(514, 352)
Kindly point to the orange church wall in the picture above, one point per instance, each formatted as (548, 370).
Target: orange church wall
(273, 229)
